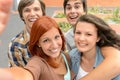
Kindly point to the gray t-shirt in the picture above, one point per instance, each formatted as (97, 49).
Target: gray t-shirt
(69, 35)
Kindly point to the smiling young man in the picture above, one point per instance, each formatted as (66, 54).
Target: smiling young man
(29, 11)
(73, 9)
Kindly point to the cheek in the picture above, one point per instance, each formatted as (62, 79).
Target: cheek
(76, 38)
(40, 13)
(93, 41)
(44, 48)
(24, 18)
(67, 13)
(67, 16)
(60, 41)
(81, 12)
(24, 15)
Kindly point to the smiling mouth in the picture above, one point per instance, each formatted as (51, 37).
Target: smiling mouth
(82, 44)
(32, 19)
(54, 51)
(73, 17)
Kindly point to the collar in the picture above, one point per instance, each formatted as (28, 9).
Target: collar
(26, 35)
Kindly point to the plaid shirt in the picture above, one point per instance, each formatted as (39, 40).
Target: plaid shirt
(18, 53)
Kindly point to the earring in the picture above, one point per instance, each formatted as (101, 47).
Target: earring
(39, 46)
(97, 41)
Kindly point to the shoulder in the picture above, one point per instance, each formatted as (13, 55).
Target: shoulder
(17, 38)
(18, 41)
(110, 51)
(111, 54)
(74, 52)
(36, 66)
(36, 62)
(69, 33)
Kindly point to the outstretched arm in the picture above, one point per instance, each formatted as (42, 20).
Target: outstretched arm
(5, 75)
(109, 68)
(5, 6)
(15, 73)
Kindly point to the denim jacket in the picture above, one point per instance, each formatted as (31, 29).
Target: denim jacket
(75, 60)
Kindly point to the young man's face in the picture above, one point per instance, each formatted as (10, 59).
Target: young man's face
(74, 9)
(31, 13)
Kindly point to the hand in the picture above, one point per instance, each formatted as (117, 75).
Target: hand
(5, 6)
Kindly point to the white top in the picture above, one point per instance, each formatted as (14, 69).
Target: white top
(81, 73)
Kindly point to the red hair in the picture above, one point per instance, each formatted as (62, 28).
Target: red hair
(40, 26)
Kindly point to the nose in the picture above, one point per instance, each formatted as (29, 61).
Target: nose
(32, 12)
(82, 37)
(73, 10)
(54, 44)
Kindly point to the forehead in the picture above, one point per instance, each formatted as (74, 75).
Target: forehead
(86, 26)
(51, 32)
(34, 3)
(74, 2)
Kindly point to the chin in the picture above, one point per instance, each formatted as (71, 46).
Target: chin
(72, 23)
(82, 49)
(55, 56)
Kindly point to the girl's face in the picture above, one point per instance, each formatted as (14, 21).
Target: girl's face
(74, 9)
(51, 43)
(31, 13)
(86, 37)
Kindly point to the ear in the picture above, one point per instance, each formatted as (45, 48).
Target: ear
(98, 39)
(38, 44)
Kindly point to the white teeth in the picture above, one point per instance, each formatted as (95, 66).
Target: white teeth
(82, 44)
(32, 19)
(72, 17)
(54, 50)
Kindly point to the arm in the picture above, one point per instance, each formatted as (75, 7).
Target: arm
(15, 73)
(109, 68)
(5, 75)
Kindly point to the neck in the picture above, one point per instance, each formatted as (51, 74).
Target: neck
(87, 64)
(87, 61)
(90, 54)
(55, 62)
